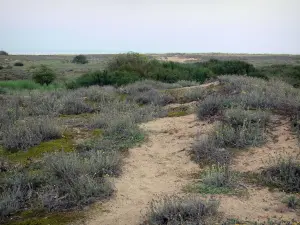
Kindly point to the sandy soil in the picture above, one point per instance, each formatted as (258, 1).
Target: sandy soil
(161, 166)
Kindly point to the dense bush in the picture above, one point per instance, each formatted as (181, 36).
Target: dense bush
(182, 210)
(104, 78)
(80, 59)
(78, 180)
(27, 133)
(287, 73)
(18, 63)
(43, 75)
(130, 67)
(3, 52)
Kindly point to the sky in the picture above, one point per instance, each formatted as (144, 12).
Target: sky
(149, 26)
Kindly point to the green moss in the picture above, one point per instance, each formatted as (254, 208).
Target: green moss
(177, 113)
(82, 115)
(24, 157)
(123, 97)
(38, 217)
(97, 132)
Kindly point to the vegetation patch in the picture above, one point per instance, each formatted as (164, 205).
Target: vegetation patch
(177, 113)
(217, 179)
(176, 210)
(36, 152)
(40, 217)
(284, 175)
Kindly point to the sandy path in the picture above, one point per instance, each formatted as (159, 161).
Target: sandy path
(160, 166)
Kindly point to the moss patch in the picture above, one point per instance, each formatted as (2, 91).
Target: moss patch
(24, 157)
(97, 132)
(36, 217)
(177, 113)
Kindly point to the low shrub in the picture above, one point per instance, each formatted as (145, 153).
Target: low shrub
(72, 105)
(78, 180)
(27, 133)
(284, 174)
(207, 150)
(237, 116)
(210, 106)
(217, 179)
(213, 147)
(182, 210)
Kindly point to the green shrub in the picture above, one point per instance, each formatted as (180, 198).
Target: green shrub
(229, 67)
(284, 174)
(292, 202)
(80, 59)
(27, 133)
(182, 210)
(43, 75)
(217, 179)
(104, 78)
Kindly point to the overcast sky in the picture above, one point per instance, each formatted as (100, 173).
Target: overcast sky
(98, 26)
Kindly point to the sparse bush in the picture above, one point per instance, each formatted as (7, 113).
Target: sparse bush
(182, 210)
(80, 59)
(18, 63)
(43, 75)
(284, 174)
(27, 133)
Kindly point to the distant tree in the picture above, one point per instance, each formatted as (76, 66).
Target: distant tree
(3, 53)
(43, 75)
(80, 59)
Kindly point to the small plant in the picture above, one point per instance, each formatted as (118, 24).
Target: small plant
(217, 179)
(43, 75)
(80, 59)
(292, 202)
(182, 210)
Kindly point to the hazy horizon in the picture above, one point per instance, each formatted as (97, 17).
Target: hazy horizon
(191, 26)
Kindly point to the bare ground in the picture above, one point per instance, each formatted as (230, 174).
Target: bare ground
(162, 166)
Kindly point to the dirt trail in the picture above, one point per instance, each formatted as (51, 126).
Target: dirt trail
(160, 166)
